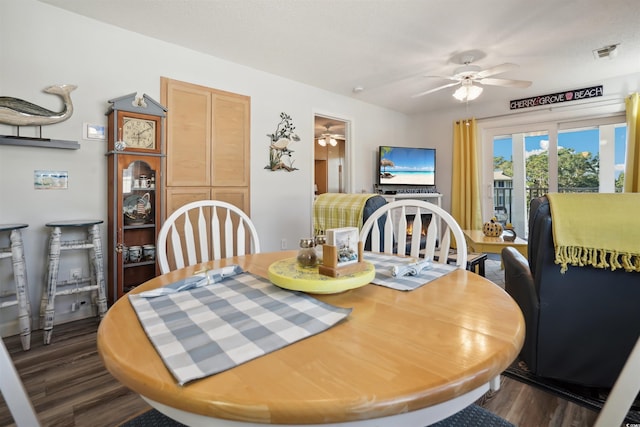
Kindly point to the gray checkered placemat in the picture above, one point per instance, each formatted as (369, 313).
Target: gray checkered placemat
(207, 330)
(384, 263)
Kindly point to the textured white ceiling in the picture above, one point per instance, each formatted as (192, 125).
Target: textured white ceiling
(388, 46)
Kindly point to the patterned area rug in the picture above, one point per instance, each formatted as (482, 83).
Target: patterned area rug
(152, 418)
(589, 397)
(472, 416)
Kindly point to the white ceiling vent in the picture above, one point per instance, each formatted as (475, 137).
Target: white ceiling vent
(610, 51)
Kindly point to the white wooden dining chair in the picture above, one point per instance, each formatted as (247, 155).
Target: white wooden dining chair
(624, 392)
(13, 391)
(202, 231)
(390, 234)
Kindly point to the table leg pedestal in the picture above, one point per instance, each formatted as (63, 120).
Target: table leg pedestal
(417, 418)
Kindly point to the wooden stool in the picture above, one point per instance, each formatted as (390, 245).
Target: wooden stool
(474, 260)
(95, 280)
(16, 252)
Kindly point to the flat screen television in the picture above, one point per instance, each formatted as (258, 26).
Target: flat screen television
(406, 166)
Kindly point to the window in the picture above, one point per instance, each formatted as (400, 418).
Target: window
(532, 160)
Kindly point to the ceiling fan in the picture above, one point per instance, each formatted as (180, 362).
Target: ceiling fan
(329, 138)
(468, 74)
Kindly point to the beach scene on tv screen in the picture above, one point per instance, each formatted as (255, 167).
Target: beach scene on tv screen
(402, 165)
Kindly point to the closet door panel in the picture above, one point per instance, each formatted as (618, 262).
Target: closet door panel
(230, 141)
(179, 196)
(237, 196)
(188, 135)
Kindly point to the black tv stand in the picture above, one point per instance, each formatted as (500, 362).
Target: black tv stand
(398, 189)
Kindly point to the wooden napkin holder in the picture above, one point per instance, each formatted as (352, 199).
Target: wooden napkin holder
(330, 266)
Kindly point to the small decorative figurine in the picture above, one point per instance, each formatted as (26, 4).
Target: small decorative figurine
(18, 112)
(492, 228)
(509, 229)
(280, 142)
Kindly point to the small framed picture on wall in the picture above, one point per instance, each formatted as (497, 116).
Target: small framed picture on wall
(92, 131)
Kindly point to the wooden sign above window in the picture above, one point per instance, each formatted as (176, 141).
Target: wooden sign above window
(554, 98)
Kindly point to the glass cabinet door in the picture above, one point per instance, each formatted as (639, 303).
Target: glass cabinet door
(138, 192)
(140, 204)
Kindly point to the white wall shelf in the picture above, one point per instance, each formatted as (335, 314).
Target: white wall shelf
(22, 141)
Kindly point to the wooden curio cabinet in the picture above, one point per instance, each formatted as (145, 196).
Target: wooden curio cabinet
(135, 203)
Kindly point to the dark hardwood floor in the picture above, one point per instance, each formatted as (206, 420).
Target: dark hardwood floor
(66, 381)
(69, 386)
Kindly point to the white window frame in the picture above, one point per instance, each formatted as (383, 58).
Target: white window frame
(550, 121)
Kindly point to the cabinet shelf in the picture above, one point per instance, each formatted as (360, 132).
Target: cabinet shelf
(138, 264)
(138, 226)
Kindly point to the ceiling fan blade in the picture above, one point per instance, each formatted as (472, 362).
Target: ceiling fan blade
(444, 77)
(498, 69)
(434, 90)
(505, 82)
(332, 135)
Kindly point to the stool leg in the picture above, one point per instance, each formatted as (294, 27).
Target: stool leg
(95, 255)
(22, 288)
(47, 307)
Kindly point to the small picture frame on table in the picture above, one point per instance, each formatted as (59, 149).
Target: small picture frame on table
(342, 255)
(346, 242)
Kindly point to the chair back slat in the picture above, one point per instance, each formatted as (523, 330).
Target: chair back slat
(240, 239)
(189, 241)
(445, 246)
(202, 236)
(215, 234)
(199, 231)
(401, 224)
(431, 240)
(228, 235)
(416, 234)
(177, 248)
(388, 234)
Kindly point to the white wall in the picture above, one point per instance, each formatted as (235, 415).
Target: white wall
(41, 45)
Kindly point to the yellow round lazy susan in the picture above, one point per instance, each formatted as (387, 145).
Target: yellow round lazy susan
(288, 274)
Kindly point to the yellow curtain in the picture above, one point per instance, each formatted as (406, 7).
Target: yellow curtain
(632, 167)
(465, 191)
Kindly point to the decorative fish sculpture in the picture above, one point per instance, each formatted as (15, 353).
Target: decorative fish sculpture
(18, 112)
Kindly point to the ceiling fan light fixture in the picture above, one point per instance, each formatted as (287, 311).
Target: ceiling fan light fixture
(322, 142)
(333, 142)
(467, 92)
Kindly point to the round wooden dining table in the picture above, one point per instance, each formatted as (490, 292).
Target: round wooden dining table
(399, 358)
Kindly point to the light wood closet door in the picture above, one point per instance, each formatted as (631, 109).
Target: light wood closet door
(208, 145)
(230, 159)
(188, 135)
